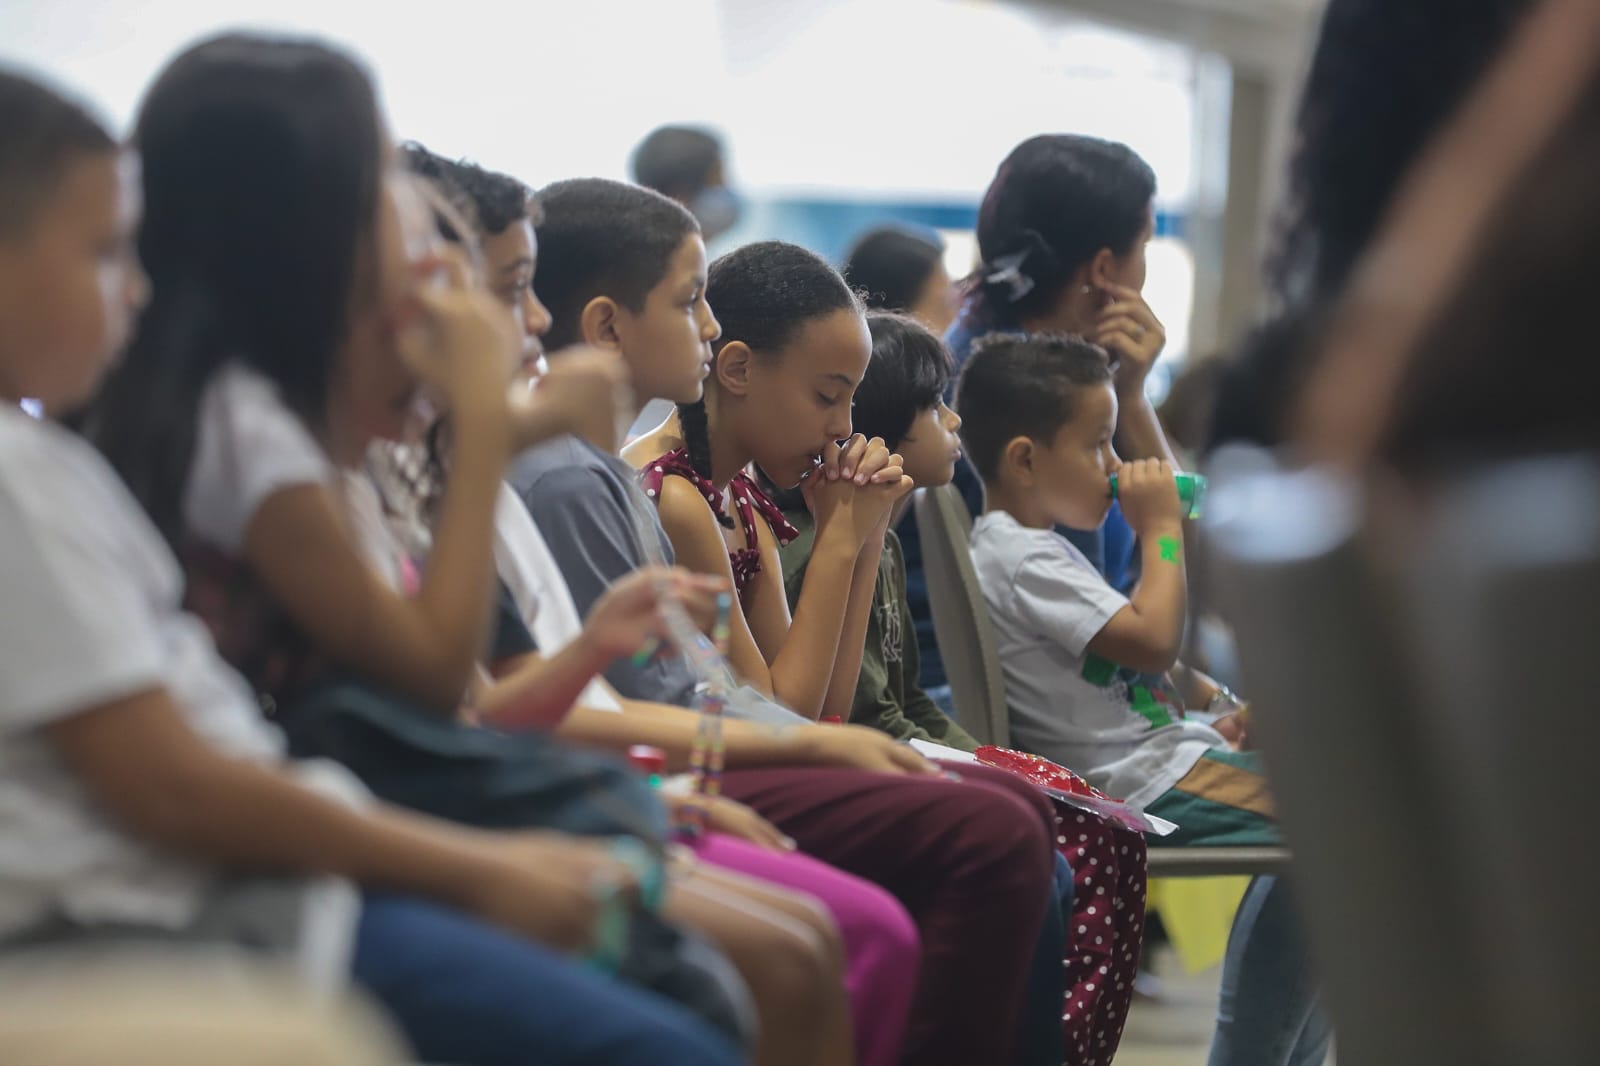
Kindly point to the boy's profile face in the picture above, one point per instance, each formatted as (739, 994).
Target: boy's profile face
(667, 343)
(931, 447)
(1071, 474)
(70, 284)
(509, 258)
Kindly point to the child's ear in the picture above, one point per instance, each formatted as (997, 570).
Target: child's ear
(600, 324)
(1017, 457)
(732, 367)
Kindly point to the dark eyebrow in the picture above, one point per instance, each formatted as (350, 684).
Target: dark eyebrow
(843, 380)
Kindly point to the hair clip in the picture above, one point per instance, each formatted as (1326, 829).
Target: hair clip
(1007, 271)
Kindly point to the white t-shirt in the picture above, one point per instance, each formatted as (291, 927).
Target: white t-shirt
(543, 599)
(1121, 730)
(90, 612)
(248, 445)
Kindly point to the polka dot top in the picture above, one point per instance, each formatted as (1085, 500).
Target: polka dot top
(747, 500)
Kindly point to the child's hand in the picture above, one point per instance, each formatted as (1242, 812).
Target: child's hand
(1234, 729)
(874, 503)
(824, 487)
(1130, 331)
(1148, 492)
(582, 393)
(724, 815)
(538, 885)
(859, 748)
(628, 617)
(864, 462)
(459, 342)
(840, 458)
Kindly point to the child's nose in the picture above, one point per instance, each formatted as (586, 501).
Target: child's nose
(138, 288)
(536, 318)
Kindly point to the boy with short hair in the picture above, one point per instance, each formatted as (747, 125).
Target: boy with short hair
(1085, 666)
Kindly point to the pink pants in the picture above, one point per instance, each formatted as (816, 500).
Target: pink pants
(879, 936)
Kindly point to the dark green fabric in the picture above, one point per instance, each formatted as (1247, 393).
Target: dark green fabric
(1204, 823)
(888, 696)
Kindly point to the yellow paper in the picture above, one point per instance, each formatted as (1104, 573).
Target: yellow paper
(1198, 914)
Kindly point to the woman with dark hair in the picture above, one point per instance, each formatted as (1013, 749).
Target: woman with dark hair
(899, 269)
(1062, 231)
(1384, 79)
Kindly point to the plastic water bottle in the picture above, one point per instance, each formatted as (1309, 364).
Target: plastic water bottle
(1191, 491)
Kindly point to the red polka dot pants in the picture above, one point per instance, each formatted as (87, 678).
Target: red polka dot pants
(1104, 933)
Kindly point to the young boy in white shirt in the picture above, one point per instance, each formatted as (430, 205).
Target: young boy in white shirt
(1086, 667)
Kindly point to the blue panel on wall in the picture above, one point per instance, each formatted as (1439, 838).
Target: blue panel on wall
(829, 226)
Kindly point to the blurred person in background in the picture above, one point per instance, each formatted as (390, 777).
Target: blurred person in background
(1384, 80)
(687, 164)
(897, 268)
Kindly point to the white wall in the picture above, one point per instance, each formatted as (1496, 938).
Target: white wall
(909, 97)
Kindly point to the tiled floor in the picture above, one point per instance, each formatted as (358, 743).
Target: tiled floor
(1176, 1029)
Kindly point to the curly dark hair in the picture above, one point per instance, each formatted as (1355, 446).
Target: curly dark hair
(1384, 79)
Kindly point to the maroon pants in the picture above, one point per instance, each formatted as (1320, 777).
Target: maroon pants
(970, 860)
(1104, 932)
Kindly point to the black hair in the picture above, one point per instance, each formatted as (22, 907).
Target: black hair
(497, 200)
(1022, 386)
(1384, 79)
(1462, 396)
(1056, 201)
(764, 294)
(434, 170)
(1268, 367)
(602, 238)
(677, 161)
(890, 266)
(909, 372)
(44, 133)
(262, 163)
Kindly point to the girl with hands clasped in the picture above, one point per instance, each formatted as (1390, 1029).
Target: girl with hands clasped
(793, 350)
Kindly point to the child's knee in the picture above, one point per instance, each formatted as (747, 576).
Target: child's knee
(799, 968)
(892, 926)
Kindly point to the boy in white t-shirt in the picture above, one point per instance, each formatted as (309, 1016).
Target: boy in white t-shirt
(1086, 667)
(140, 787)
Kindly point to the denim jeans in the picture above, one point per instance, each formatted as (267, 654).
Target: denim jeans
(1039, 1039)
(1269, 1013)
(469, 994)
